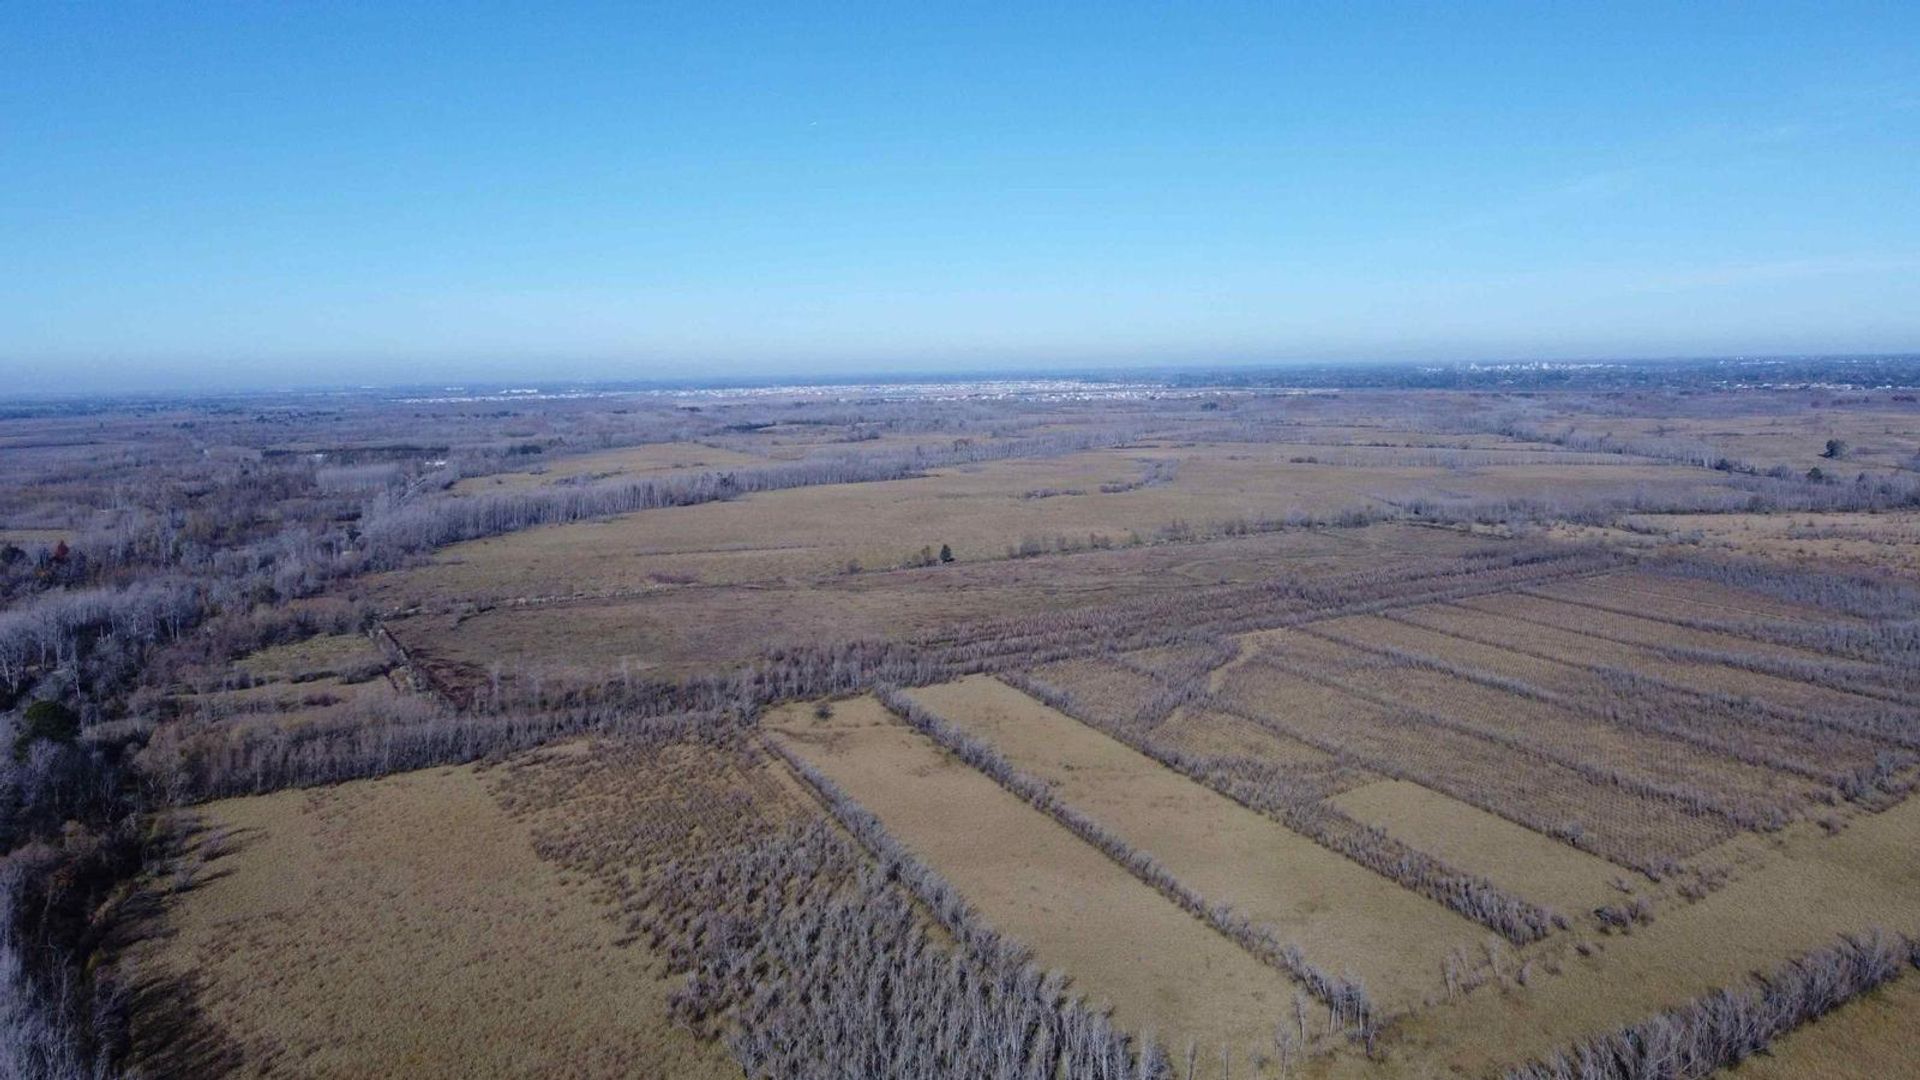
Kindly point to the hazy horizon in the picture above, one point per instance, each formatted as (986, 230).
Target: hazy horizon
(239, 197)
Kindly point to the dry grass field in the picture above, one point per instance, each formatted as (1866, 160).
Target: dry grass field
(1122, 943)
(1883, 541)
(1507, 854)
(1872, 1036)
(982, 512)
(1341, 916)
(1371, 734)
(405, 925)
(1879, 435)
(1792, 893)
(676, 629)
(648, 460)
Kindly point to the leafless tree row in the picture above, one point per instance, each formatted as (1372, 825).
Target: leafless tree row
(1267, 790)
(1726, 1027)
(812, 959)
(1641, 706)
(223, 762)
(57, 1020)
(395, 529)
(1851, 594)
(1346, 997)
(1692, 799)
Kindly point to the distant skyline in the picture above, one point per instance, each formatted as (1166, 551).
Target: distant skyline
(230, 195)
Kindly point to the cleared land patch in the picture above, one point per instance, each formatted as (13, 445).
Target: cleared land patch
(325, 654)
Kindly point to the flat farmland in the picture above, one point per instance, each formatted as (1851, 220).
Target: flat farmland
(1667, 597)
(1120, 941)
(1882, 541)
(1549, 729)
(1420, 635)
(1543, 795)
(1342, 916)
(1880, 436)
(1103, 688)
(1209, 733)
(652, 459)
(1523, 860)
(984, 512)
(1582, 632)
(1872, 1036)
(405, 922)
(1793, 895)
(1300, 735)
(677, 629)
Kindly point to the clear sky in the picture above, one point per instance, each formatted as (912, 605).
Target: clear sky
(209, 193)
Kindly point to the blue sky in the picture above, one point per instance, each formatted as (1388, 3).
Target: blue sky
(252, 194)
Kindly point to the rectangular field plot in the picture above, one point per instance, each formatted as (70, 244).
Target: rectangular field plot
(1521, 860)
(1669, 597)
(1798, 748)
(1486, 622)
(1210, 733)
(1611, 620)
(1344, 917)
(1106, 690)
(1800, 893)
(1602, 818)
(406, 920)
(1561, 732)
(1119, 940)
(1563, 628)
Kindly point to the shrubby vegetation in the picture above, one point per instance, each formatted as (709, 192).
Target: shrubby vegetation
(811, 956)
(396, 529)
(1726, 1027)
